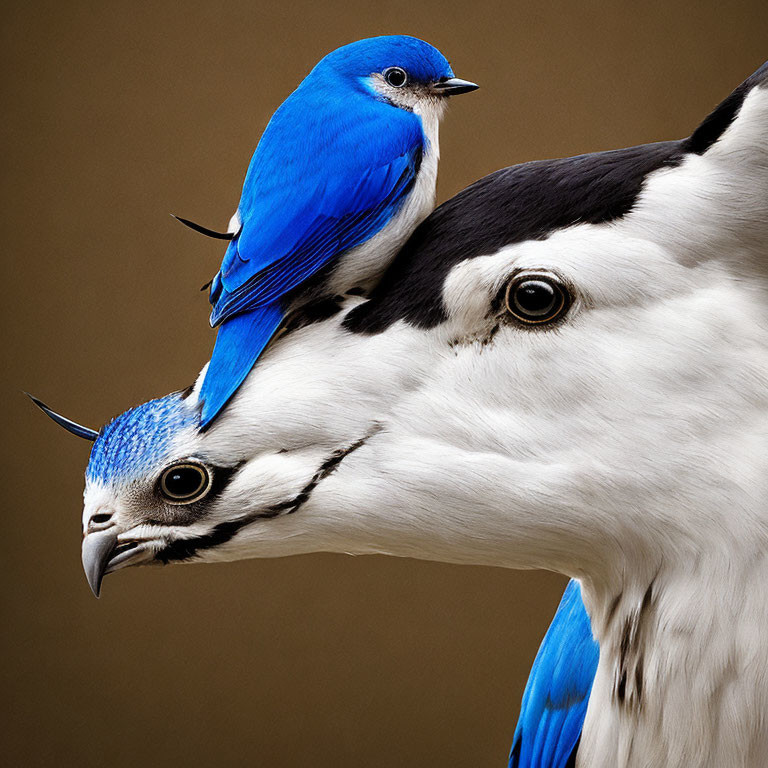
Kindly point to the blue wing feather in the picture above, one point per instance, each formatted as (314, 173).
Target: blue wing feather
(326, 237)
(328, 174)
(239, 342)
(311, 193)
(557, 693)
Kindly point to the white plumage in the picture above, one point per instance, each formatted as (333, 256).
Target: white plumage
(625, 446)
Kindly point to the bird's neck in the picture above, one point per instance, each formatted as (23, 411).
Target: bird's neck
(683, 673)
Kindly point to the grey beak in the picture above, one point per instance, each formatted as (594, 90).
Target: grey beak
(97, 548)
(453, 86)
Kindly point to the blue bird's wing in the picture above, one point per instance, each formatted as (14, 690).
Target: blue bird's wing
(298, 213)
(557, 693)
(325, 178)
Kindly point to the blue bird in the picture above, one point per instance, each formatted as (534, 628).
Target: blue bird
(344, 172)
(557, 693)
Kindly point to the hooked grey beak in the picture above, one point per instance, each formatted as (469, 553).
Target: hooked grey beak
(97, 549)
(453, 86)
(102, 553)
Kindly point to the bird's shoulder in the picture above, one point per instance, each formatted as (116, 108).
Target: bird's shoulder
(330, 135)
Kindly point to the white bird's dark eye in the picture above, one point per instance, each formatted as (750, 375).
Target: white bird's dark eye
(396, 77)
(536, 299)
(184, 483)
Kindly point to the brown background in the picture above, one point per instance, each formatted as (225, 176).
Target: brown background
(117, 113)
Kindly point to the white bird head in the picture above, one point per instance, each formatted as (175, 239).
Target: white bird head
(565, 368)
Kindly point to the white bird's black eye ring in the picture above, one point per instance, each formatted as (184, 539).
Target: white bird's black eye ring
(535, 299)
(184, 483)
(396, 77)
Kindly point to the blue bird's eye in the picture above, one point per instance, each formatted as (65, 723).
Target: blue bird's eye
(396, 77)
(184, 483)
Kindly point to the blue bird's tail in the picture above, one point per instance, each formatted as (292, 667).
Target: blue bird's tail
(239, 342)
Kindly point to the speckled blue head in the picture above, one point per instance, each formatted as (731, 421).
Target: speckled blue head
(139, 439)
(423, 62)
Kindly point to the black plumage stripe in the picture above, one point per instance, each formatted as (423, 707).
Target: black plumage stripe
(718, 121)
(524, 202)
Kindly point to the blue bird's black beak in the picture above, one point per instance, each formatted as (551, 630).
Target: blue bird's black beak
(453, 86)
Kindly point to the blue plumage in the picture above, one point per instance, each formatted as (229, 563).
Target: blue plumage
(335, 164)
(238, 343)
(557, 693)
(139, 438)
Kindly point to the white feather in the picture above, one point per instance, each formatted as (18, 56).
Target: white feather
(627, 446)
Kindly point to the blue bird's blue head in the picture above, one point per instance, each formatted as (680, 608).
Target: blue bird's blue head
(136, 440)
(422, 61)
(151, 476)
(396, 63)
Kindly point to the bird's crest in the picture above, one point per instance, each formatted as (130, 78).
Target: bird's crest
(140, 437)
(71, 426)
(135, 439)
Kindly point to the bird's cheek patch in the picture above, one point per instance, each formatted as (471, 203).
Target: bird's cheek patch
(269, 481)
(470, 288)
(464, 294)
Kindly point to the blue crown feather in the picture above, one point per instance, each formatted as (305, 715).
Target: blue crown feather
(139, 438)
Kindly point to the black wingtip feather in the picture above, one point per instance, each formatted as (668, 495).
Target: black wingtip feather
(204, 230)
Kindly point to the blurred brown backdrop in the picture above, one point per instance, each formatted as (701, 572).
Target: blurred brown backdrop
(115, 114)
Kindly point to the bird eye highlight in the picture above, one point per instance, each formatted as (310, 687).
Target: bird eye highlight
(396, 77)
(535, 299)
(184, 483)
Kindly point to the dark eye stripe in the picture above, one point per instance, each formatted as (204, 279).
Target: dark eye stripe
(184, 549)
